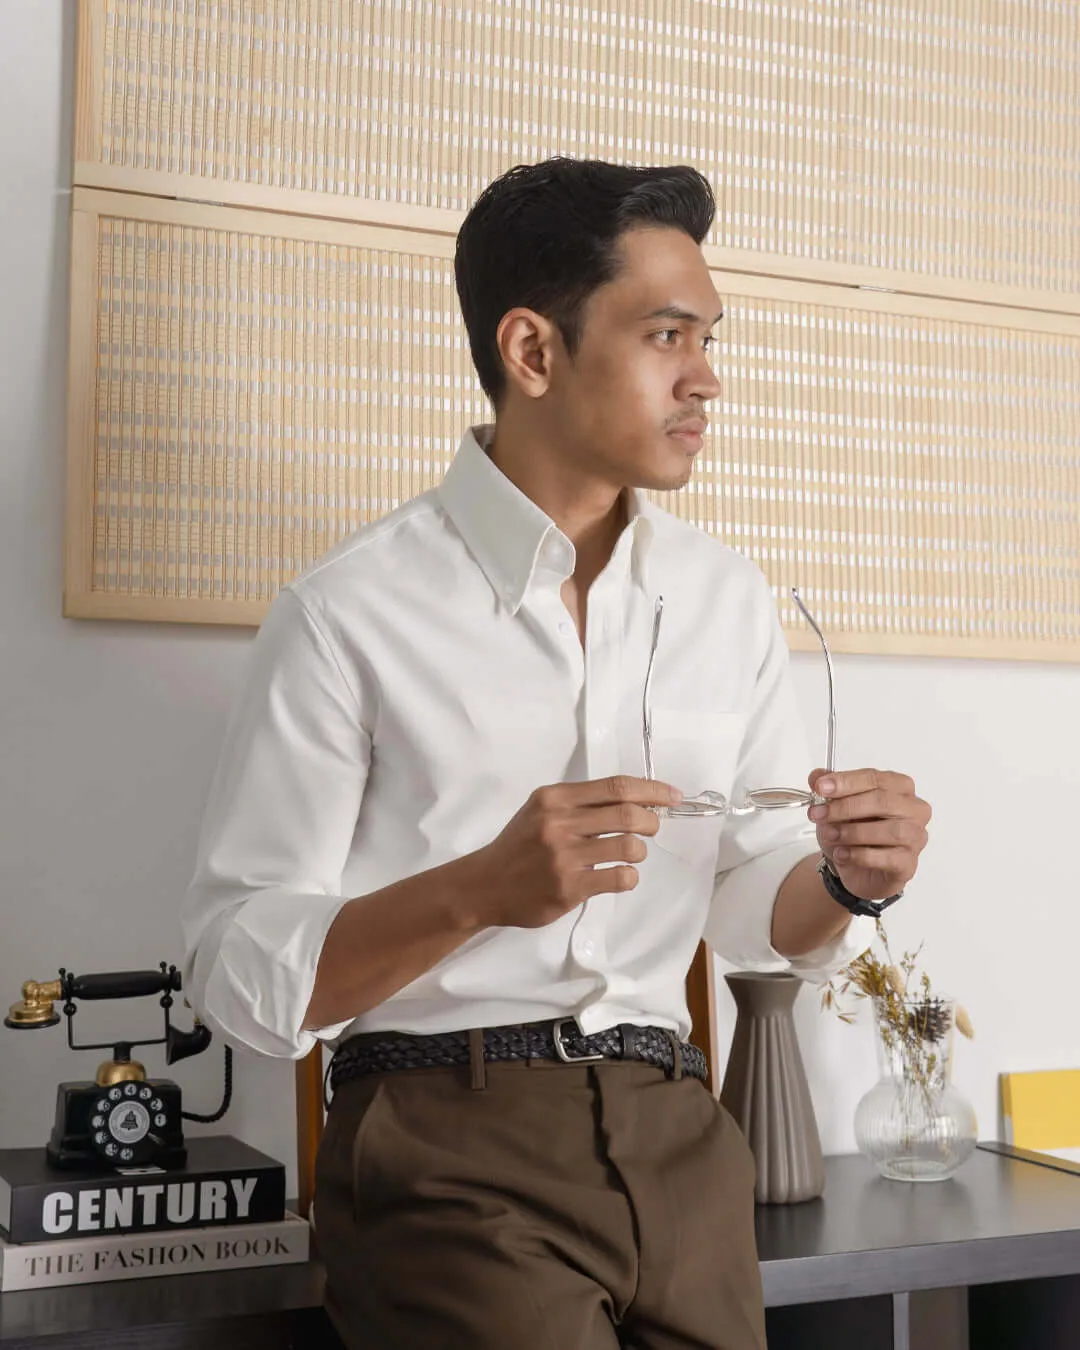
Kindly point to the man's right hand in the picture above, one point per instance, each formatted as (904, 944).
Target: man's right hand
(544, 862)
(542, 865)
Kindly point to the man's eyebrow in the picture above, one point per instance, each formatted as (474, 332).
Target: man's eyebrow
(681, 315)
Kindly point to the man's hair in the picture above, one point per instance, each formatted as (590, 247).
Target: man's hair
(545, 236)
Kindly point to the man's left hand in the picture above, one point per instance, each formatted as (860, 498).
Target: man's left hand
(872, 828)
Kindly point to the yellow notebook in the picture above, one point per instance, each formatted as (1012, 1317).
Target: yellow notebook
(1042, 1109)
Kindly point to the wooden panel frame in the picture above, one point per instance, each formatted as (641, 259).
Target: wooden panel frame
(80, 600)
(429, 220)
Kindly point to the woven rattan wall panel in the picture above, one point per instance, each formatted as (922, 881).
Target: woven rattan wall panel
(918, 476)
(255, 397)
(936, 144)
(263, 385)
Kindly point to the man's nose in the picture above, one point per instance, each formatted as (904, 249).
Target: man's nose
(699, 380)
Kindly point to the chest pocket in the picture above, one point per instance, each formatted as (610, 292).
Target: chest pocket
(695, 750)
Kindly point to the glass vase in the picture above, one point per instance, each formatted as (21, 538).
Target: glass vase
(913, 1124)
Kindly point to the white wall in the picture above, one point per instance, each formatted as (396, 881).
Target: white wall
(108, 734)
(108, 731)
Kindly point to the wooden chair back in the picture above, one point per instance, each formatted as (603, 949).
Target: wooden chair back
(700, 997)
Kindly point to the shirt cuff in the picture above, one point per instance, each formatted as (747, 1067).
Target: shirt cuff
(258, 989)
(739, 925)
(826, 961)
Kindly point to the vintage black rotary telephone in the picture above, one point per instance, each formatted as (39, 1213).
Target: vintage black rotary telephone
(123, 1118)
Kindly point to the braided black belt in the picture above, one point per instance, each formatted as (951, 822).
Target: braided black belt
(386, 1052)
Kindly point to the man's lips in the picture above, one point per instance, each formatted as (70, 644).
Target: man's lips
(694, 427)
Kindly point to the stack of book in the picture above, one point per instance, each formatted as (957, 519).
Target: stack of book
(223, 1210)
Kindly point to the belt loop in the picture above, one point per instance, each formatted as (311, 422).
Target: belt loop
(676, 1056)
(477, 1067)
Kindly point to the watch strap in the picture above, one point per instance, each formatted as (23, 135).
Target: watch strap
(854, 904)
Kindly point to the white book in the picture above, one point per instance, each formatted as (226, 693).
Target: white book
(132, 1256)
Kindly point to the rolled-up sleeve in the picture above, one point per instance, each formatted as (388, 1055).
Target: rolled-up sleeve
(758, 851)
(277, 830)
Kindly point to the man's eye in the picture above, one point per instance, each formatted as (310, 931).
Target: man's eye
(708, 342)
(668, 336)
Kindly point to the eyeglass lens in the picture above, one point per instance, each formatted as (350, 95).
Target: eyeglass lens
(709, 803)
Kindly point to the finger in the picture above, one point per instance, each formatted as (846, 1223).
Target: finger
(626, 818)
(897, 831)
(894, 861)
(873, 805)
(608, 880)
(615, 848)
(609, 792)
(854, 781)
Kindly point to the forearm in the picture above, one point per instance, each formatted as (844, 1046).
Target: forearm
(805, 917)
(544, 863)
(381, 942)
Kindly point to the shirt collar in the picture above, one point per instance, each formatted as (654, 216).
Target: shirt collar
(511, 538)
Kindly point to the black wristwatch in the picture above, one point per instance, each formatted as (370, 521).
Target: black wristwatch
(871, 909)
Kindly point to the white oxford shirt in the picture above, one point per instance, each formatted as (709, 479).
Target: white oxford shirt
(408, 693)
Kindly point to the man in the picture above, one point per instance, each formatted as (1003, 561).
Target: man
(430, 837)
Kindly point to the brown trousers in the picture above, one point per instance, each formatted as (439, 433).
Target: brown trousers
(558, 1207)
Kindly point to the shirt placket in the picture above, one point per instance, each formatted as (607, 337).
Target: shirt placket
(600, 724)
(543, 603)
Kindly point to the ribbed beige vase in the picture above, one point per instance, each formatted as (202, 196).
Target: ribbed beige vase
(765, 1089)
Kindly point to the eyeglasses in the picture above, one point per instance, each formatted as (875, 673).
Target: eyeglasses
(709, 803)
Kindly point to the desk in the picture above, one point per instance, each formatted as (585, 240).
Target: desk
(884, 1265)
(910, 1259)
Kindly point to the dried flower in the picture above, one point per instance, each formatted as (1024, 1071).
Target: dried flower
(912, 1022)
(929, 1019)
(897, 979)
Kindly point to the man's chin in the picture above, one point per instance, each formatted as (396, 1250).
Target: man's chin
(669, 482)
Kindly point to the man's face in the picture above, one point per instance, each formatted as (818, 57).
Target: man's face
(630, 405)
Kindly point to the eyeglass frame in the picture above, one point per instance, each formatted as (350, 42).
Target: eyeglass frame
(708, 803)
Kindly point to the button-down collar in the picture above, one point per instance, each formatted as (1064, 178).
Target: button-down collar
(512, 539)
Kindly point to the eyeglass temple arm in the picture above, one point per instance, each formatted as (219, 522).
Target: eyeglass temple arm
(830, 751)
(646, 713)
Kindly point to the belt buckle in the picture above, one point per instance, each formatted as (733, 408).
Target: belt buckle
(560, 1048)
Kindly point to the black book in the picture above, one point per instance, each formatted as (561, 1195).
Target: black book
(224, 1182)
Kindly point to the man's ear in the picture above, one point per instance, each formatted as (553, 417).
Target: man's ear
(526, 342)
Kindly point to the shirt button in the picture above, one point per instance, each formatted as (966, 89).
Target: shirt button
(564, 626)
(587, 949)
